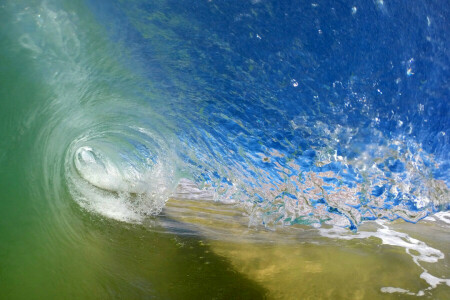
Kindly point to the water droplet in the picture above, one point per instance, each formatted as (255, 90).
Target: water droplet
(410, 67)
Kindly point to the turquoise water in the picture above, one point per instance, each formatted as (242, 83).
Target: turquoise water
(195, 150)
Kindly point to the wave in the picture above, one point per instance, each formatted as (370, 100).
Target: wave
(140, 115)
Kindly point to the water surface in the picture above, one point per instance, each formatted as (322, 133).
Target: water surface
(216, 149)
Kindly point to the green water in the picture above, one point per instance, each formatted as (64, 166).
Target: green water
(51, 248)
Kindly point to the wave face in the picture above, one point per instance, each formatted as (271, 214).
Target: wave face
(300, 113)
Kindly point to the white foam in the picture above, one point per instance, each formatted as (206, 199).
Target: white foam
(392, 290)
(443, 216)
(112, 206)
(433, 281)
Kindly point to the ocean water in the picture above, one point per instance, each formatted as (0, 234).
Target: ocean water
(224, 149)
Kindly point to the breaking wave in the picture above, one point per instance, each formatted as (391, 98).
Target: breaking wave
(140, 111)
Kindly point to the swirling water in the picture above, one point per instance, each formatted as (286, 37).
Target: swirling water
(222, 119)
